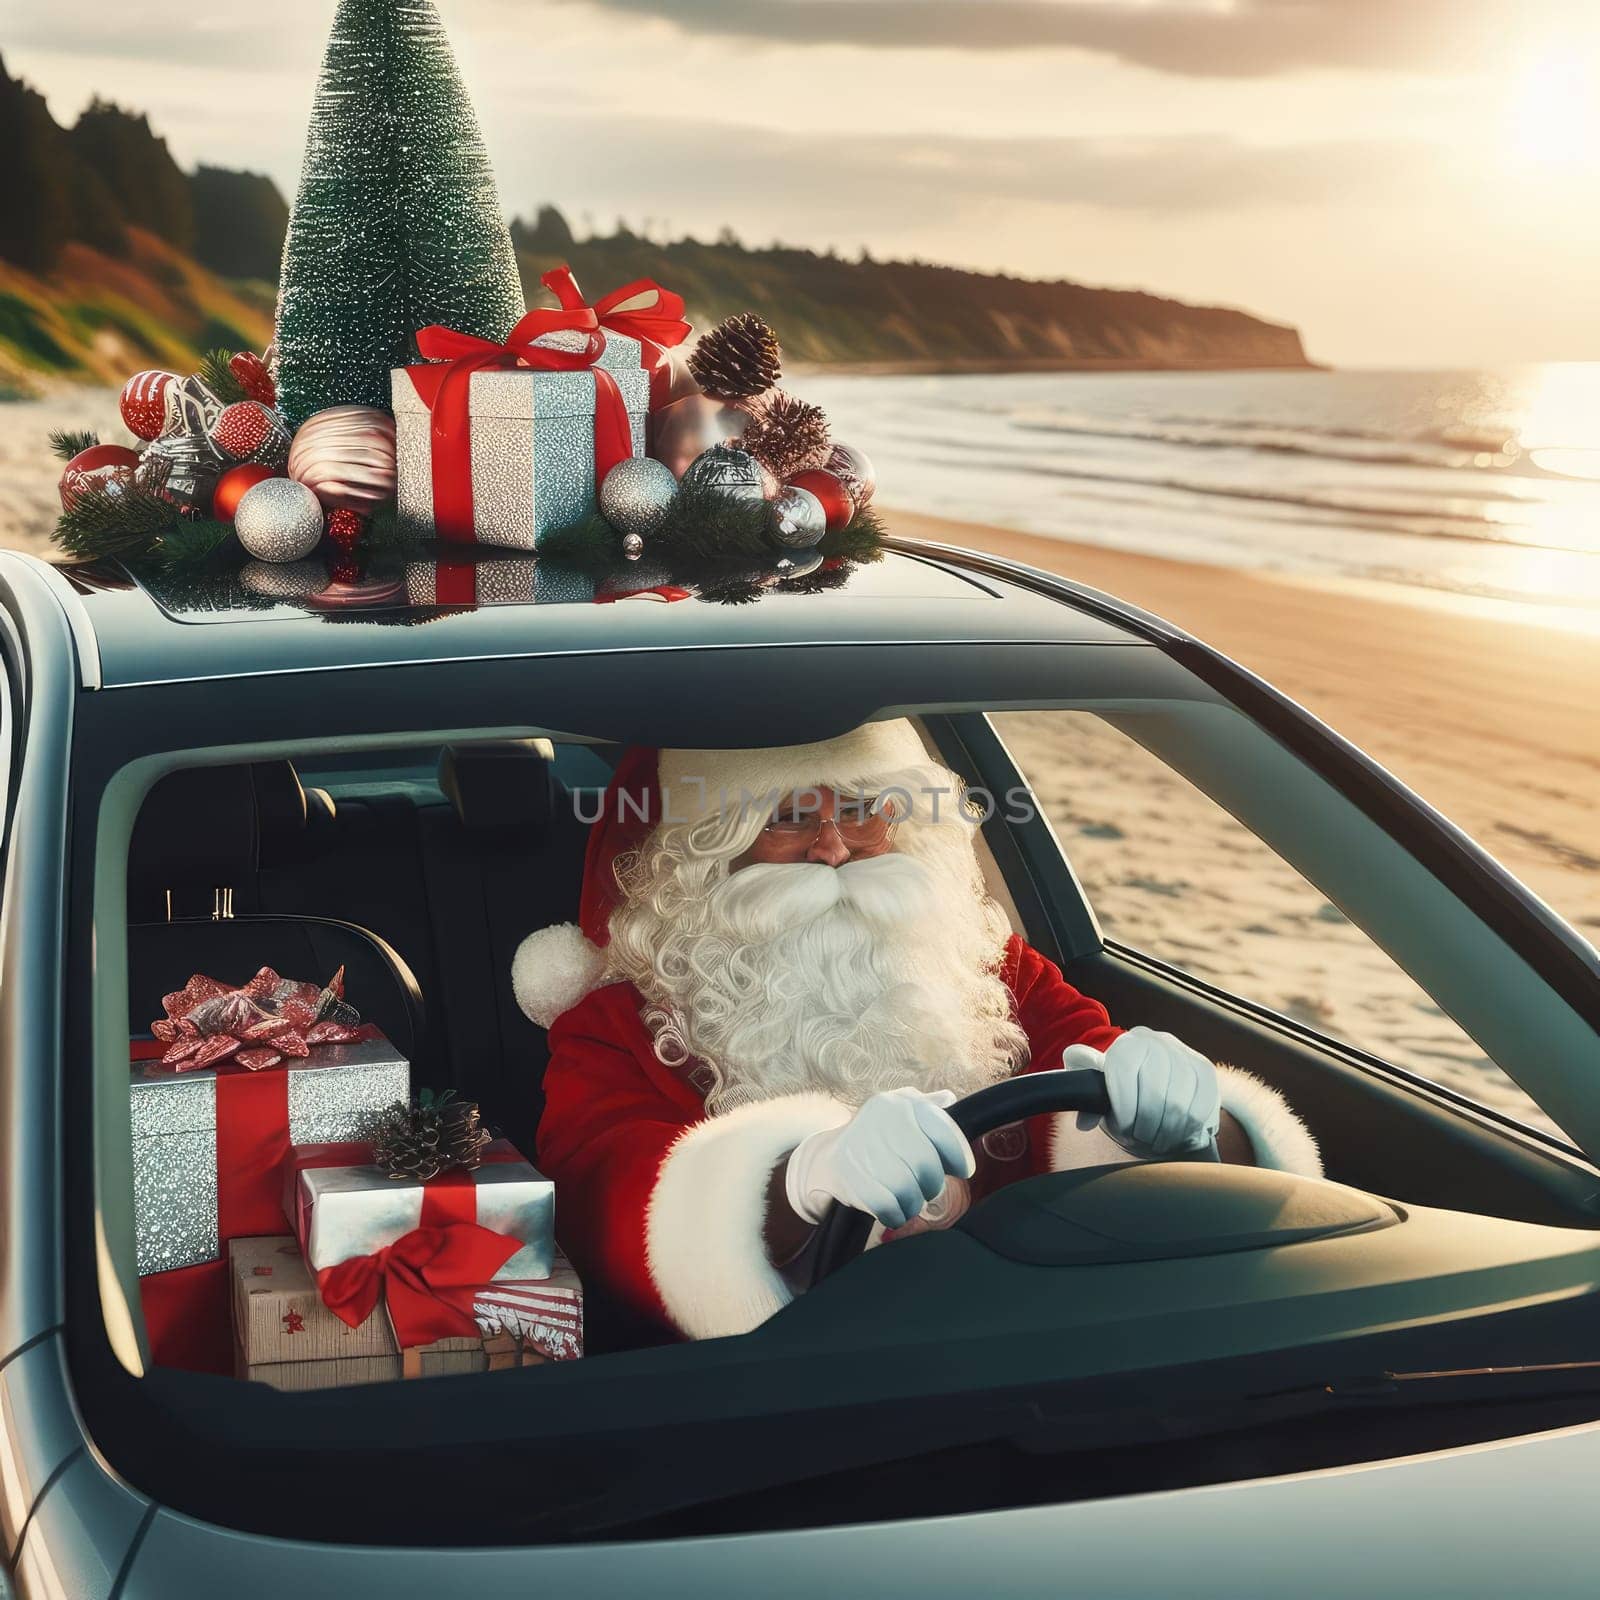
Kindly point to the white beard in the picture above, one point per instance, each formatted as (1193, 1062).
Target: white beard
(782, 978)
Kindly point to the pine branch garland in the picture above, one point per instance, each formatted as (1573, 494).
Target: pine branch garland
(132, 520)
(66, 443)
(220, 378)
(705, 525)
(703, 528)
(861, 540)
(122, 518)
(191, 543)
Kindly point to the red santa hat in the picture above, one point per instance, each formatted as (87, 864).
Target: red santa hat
(555, 967)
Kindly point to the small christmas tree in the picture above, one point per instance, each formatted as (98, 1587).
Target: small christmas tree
(397, 223)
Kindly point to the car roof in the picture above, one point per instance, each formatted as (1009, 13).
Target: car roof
(152, 626)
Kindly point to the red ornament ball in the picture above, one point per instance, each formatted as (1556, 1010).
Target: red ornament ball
(254, 377)
(144, 403)
(250, 431)
(100, 463)
(345, 528)
(829, 488)
(231, 487)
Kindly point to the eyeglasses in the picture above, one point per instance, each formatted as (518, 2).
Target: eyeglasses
(864, 822)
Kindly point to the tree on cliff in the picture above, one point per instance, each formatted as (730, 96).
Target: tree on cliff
(239, 222)
(134, 164)
(549, 234)
(397, 223)
(35, 199)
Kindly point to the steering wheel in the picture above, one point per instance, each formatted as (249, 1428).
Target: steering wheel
(842, 1234)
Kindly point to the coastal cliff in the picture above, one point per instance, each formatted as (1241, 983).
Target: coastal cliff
(113, 258)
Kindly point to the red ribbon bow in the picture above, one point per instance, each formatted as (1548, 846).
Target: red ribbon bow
(640, 310)
(445, 389)
(428, 1277)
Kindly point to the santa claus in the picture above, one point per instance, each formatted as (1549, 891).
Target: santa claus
(788, 967)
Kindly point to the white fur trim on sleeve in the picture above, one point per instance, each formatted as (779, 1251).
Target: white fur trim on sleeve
(1072, 1147)
(704, 1231)
(1278, 1137)
(553, 969)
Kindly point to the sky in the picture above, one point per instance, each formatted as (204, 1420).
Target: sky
(1409, 182)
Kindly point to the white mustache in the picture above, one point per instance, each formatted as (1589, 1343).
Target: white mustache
(766, 900)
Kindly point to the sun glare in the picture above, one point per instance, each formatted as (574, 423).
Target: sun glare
(1554, 119)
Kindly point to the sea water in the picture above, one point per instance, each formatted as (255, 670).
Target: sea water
(1483, 483)
(1471, 483)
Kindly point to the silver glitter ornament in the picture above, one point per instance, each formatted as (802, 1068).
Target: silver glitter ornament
(855, 470)
(733, 473)
(278, 520)
(636, 494)
(798, 520)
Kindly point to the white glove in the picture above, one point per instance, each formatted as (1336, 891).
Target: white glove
(890, 1159)
(1164, 1096)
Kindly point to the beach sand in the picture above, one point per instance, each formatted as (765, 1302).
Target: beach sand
(1495, 723)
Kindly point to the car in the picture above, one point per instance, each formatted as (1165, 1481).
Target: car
(1175, 1377)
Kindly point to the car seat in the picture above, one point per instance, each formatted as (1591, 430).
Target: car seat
(194, 906)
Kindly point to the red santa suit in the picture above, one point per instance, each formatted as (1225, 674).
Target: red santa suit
(661, 1206)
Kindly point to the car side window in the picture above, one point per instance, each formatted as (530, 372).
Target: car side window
(1173, 876)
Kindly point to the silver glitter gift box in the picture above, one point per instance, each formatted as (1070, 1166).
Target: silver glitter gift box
(340, 1092)
(340, 1212)
(532, 446)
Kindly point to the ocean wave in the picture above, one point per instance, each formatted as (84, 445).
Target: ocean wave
(1389, 455)
(1432, 522)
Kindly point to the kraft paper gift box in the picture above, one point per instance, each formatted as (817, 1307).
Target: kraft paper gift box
(284, 1335)
(338, 1094)
(339, 1211)
(531, 446)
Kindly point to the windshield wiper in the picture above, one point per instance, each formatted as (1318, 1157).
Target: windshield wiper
(724, 1463)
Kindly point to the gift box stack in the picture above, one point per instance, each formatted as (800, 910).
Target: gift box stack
(302, 1221)
(501, 444)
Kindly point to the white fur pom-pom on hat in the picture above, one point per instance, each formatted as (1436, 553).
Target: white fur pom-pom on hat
(553, 969)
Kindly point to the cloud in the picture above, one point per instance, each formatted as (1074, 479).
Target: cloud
(891, 186)
(1200, 38)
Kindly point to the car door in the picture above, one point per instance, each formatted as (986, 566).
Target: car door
(1165, 856)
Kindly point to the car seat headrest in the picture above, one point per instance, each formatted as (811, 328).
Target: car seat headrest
(292, 822)
(500, 783)
(193, 852)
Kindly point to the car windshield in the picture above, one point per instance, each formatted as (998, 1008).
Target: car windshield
(545, 1060)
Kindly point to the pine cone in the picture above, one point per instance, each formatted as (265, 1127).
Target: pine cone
(737, 359)
(433, 1134)
(787, 435)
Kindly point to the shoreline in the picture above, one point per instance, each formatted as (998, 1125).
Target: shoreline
(1493, 722)
(934, 367)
